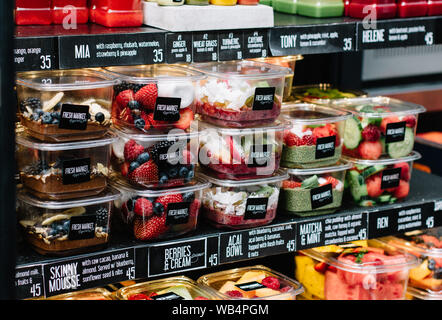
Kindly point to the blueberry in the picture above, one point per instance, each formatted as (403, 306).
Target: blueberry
(35, 116)
(163, 178)
(59, 228)
(133, 104)
(139, 123)
(183, 172)
(46, 118)
(55, 121)
(99, 117)
(55, 115)
(58, 106)
(52, 232)
(188, 196)
(39, 112)
(190, 174)
(133, 165)
(144, 157)
(431, 264)
(66, 225)
(158, 208)
(173, 172)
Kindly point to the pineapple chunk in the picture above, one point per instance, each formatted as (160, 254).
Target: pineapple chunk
(266, 292)
(250, 276)
(228, 286)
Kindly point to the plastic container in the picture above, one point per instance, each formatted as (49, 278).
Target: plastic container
(315, 136)
(154, 98)
(240, 94)
(412, 8)
(242, 204)
(174, 288)
(286, 6)
(117, 13)
(434, 7)
(235, 154)
(65, 105)
(28, 12)
(252, 283)
(170, 2)
(311, 192)
(383, 181)
(288, 62)
(362, 270)
(70, 11)
(197, 2)
(64, 170)
(320, 8)
(66, 227)
(418, 294)
(323, 93)
(156, 161)
(223, 2)
(380, 126)
(378, 9)
(159, 214)
(89, 294)
(427, 247)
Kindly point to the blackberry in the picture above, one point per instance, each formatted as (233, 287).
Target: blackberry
(102, 216)
(33, 103)
(126, 86)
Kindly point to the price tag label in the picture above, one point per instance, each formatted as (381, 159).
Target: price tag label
(35, 54)
(29, 282)
(230, 46)
(89, 272)
(256, 44)
(177, 257)
(178, 47)
(312, 39)
(205, 47)
(212, 251)
(111, 49)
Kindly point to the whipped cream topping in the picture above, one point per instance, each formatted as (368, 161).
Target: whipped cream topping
(177, 89)
(233, 93)
(297, 130)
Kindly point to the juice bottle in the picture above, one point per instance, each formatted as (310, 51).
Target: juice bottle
(32, 12)
(223, 2)
(118, 13)
(434, 7)
(63, 8)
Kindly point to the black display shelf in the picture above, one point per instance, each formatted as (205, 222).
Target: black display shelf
(124, 258)
(91, 45)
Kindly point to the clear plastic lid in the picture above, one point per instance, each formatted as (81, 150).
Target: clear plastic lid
(181, 286)
(174, 134)
(384, 160)
(154, 72)
(279, 125)
(25, 140)
(324, 93)
(65, 80)
(398, 260)
(423, 294)
(242, 70)
(121, 184)
(341, 166)
(278, 176)
(312, 114)
(378, 107)
(109, 194)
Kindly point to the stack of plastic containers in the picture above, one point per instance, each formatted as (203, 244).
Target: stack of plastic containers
(63, 157)
(240, 141)
(155, 155)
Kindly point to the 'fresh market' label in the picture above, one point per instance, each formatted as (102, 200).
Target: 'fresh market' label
(325, 147)
(321, 196)
(395, 132)
(76, 171)
(256, 208)
(390, 178)
(263, 99)
(167, 109)
(73, 117)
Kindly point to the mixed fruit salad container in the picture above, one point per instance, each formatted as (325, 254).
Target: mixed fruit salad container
(361, 270)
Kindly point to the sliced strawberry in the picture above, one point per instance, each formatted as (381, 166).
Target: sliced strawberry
(143, 207)
(147, 96)
(126, 115)
(320, 132)
(334, 182)
(186, 118)
(156, 123)
(321, 267)
(145, 173)
(132, 150)
(290, 184)
(170, 198)
(150, 229)
(145, 117)
(125, 168)
(124, 97)
(386, 121)
(371, 150)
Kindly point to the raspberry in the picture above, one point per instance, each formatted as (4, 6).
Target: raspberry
(292, 139)
(308, 140)
(410, 121)
(371, 133)
(271, 282)
(234, 294)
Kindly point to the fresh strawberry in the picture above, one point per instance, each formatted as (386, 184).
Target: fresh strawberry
(321, 267)
(374, 186)
(334, 182)
(307, 140)
(170, 198)
(290, 184)
(403, 189)
(147, 96)
(125, 168)
(405, 170)
(200, 298)
(371, 150)
(143, 207)
(386, 121)
(157, 124)
(145, 173)
(145, 117)
(124, 97)
(410, 121)
(291, 139)
(186, 118)
(371, 133)
(271, 282)
(132, 150)
(320, 132)
(126, 115)
(234, 294)
(332, 269)
(150, 229)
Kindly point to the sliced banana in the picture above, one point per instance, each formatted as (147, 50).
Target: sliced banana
(67, 214)
(50, 104)
(27, 223)
(57, 217)
(75, 211)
